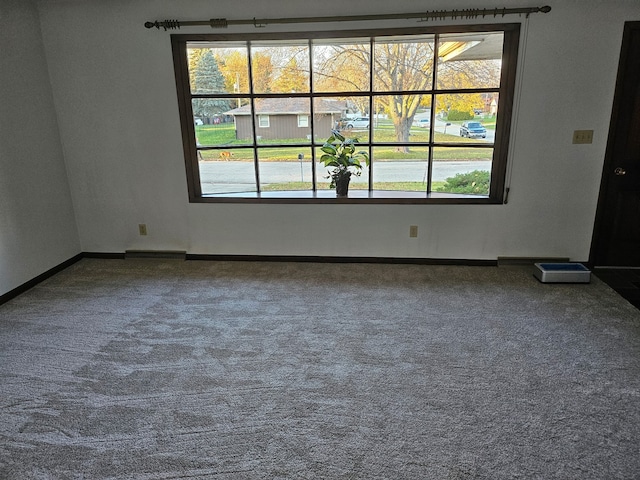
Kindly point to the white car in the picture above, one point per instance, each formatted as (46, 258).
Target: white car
(360, 122)
(422, 122)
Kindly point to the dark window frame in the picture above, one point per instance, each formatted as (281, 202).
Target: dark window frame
(500, 146)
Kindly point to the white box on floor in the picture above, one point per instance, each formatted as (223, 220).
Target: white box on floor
(562, 273)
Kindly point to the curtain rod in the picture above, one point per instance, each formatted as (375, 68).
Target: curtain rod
(423, 16)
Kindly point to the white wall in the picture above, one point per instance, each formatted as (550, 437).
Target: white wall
(114, 92)
(37, 224)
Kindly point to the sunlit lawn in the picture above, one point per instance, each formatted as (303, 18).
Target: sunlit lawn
(223, 135)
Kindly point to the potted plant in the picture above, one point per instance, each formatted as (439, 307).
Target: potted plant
(340, 153)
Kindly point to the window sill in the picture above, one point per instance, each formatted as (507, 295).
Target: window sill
(355, 197)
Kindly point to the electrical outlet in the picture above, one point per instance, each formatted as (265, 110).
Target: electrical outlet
(413, 231)
(583, 136)
(142, 228)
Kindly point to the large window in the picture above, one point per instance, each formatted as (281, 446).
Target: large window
(431, 107)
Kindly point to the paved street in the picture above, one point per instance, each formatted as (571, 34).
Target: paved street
(278, 172)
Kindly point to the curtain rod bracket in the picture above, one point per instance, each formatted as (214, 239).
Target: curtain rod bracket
(218, 23)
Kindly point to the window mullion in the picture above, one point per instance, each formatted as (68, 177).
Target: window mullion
(314, 174)
(371, 129)
(432, 121)
(254, 119)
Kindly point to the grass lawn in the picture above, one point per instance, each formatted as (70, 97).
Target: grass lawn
(223, 135)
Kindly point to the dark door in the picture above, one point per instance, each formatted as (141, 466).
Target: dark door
(616, 240)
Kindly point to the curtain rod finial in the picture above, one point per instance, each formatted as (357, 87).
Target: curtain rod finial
(545, 9)
(166, 24)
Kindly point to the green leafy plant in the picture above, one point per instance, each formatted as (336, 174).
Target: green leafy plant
(340, 153)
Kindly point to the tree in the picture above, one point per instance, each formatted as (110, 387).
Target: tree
(342, 68)
(262, 72)
(207, 78)
(402, 67)
(407, 67)
(336, 71)
(466, 74)
(292, 78)
(398, 66)
(233, 66)
(194, 57)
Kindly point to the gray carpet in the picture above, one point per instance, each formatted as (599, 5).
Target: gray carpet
(161, 369)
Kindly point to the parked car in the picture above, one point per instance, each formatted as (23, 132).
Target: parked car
(422, 122)
(473, 130)
(360, 122)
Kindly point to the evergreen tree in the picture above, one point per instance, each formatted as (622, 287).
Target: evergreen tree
(207, 78)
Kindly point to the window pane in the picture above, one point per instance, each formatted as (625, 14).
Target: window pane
(354, 123)
(215, 122)
(402, 118)
(358, 182)
(328, 114)
(217, 68)
(277, 120)
(341, 65)
(400, 168)
(403, 63)
(285, 168)
(461, 170)
(322, 172)
(281, 66)
(468, 117)
(356, 128)
(210, 111)
(470, 60)
(227, 171)
(214, 125)
(262, 71)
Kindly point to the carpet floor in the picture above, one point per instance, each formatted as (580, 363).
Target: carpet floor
(166, 369)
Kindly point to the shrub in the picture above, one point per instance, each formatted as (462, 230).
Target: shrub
(476, 182)
(456, 115)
